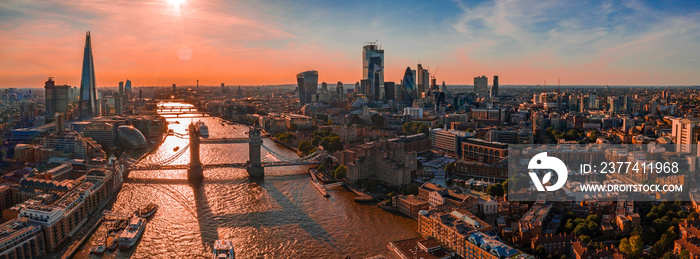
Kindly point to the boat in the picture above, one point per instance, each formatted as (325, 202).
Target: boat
(132, 233)
(118, 225)
(99, 249)
(203, 129)
(320, 188)
(147, 211)
(176, 148)
(113, 240)
(223, 249)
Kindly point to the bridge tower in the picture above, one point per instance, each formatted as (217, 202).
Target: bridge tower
(195, 172)
(255, 168)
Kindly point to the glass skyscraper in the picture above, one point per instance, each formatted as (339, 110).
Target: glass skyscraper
(373, 69)
(408, 86)
(307, 82)
(88, 95)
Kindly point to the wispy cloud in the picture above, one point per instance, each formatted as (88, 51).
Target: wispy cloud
(268, 42)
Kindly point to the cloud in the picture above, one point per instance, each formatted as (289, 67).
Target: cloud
(268, 42)
(553, 39)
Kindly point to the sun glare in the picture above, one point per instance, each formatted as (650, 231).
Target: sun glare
(176, 2)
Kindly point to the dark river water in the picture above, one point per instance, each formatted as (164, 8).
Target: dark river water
(281, 216)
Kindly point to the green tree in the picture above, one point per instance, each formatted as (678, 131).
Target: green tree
(540, 252)
(316, 140)
(625, 246)
(451, 167)
(305, 147)
(377, 120)
(632, 246)
(571, 134)
(414, 127)
(495, 190)
(665, 243)
(332, 144)
(340, 172)
(585, 239)
(355, 119)
(581, 229)
(411, 189)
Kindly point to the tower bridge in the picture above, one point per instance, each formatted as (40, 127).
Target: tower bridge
(255, 164)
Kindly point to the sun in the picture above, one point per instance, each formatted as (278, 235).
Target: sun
(176, 2)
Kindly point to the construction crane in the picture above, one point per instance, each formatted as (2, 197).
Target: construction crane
(434, 74)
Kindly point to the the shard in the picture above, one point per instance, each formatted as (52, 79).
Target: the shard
(88, 96)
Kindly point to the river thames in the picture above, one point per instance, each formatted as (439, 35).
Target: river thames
(280, 216)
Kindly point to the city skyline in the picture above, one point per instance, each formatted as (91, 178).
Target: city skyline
(165, 42)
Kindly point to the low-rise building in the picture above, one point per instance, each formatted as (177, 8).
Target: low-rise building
(463, 233)
(20, 239)
(410, 205)
(418, 143)
(301, 121)
(419, 248)
(582, 251)
(449, 142)
(453, 199)
(386, 161)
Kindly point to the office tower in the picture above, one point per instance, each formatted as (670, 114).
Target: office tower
(481, 85)
(60, 123)
(443, 86)
(307, 82)
(409, 87)
(433, 85)
(340, 91)
(324, 87)
(174, 88)
(357, 87)
(118, 99)
(685, 133)
(389, 90)
(613, 104)
(593, 101)
(365, 86)
(494, 87)
(88, 105)
(439, 100)
(426, 81)
(127, 88)
(373, 68)
(57, 97)
(419, 80)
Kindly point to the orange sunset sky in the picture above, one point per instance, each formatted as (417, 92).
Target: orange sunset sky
(161, 42)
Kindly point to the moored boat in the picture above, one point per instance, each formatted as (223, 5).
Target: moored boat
(203, 129)
(223, 249)
(99, 249)
(132, 233)
(147, 211)
(113, 240)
